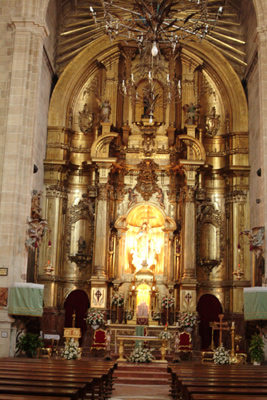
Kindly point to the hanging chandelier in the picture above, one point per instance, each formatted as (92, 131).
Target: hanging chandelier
(154, 25)
(159, 22)
(156, 85)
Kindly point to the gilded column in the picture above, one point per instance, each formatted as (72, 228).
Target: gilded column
(188, 281)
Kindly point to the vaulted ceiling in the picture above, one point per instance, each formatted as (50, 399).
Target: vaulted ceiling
(78, 29)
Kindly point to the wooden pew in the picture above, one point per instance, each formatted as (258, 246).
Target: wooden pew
(188, 380)
(39, 391)
(225, 397)
(29, 397)
(64, 370)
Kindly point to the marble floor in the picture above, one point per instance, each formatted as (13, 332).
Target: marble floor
(141, 392)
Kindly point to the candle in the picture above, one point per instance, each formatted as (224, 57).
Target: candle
(233, 324)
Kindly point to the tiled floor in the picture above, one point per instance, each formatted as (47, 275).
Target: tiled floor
(141, 392)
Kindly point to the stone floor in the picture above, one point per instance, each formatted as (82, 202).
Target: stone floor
(141, 392)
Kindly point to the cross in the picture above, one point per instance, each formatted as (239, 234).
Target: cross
(220, 326)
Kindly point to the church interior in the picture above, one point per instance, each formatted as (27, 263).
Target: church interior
(132, 186)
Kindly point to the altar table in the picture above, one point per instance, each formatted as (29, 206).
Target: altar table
(123, 338)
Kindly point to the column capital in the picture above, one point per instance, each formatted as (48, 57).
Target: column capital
(33, 25)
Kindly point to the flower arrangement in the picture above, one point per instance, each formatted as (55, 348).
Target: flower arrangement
(118, 299)
(94, 317)
(140, 355)
(71, 350)
(221, 356)
(167, 302)
(187, 319)
(165, 335)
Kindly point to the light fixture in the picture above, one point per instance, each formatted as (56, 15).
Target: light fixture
(161, 22)
(239, 272)
(153, 25)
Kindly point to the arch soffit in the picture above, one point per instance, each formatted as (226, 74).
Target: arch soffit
(100, 147)
(75, 75)
(197, 146)
(77, 71)
(121, 222)
(68, 293)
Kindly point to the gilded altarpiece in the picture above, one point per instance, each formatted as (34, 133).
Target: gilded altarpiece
(157, 202)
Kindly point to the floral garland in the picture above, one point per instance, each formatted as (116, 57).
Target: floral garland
(188, 319)
(140, 355)
(221, 356)
(71, 350)
(165, 335)
(94, 317)
(167, 302)
(118, 299)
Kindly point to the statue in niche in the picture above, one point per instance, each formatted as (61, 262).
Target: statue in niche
(81, 245)
(146, 249)
(132, 197)
(105, 111)
(160, 197)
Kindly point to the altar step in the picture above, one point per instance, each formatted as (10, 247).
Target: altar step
(142, 374)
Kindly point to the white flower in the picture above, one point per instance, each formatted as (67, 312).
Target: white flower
(94, 317)
(71, 350)
(221, 356)
(165, 335)
(188, 319)
(167, 302)
(140, 355)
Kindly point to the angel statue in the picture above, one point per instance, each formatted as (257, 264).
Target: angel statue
(191, 113)
(105, 111)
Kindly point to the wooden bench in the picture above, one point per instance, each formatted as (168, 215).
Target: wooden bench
(189, 380)
(29, 397)
(97, 377)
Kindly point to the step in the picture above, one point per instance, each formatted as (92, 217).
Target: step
(142, 381)
(149, 374)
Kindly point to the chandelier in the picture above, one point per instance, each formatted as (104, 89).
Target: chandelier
(156, 88)
(154, 25)
(159, 22)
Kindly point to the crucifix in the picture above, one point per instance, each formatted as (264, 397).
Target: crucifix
(220, 326)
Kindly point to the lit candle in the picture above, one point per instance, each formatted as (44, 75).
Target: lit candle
(233, 324)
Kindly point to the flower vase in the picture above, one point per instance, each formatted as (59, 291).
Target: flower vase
(117, 315)
(95, 327)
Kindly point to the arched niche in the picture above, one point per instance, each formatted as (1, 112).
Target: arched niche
(145, 229)
(77, 303)
(209, 308)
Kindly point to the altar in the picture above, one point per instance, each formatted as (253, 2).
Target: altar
(255, 303)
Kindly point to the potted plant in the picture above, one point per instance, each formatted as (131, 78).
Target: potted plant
(256, 349)
(29, 343)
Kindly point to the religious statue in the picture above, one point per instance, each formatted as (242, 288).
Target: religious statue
(132, 197)
(81, 245)
(191, 113)
(108, 340)
(160, 197)
(105, 111)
